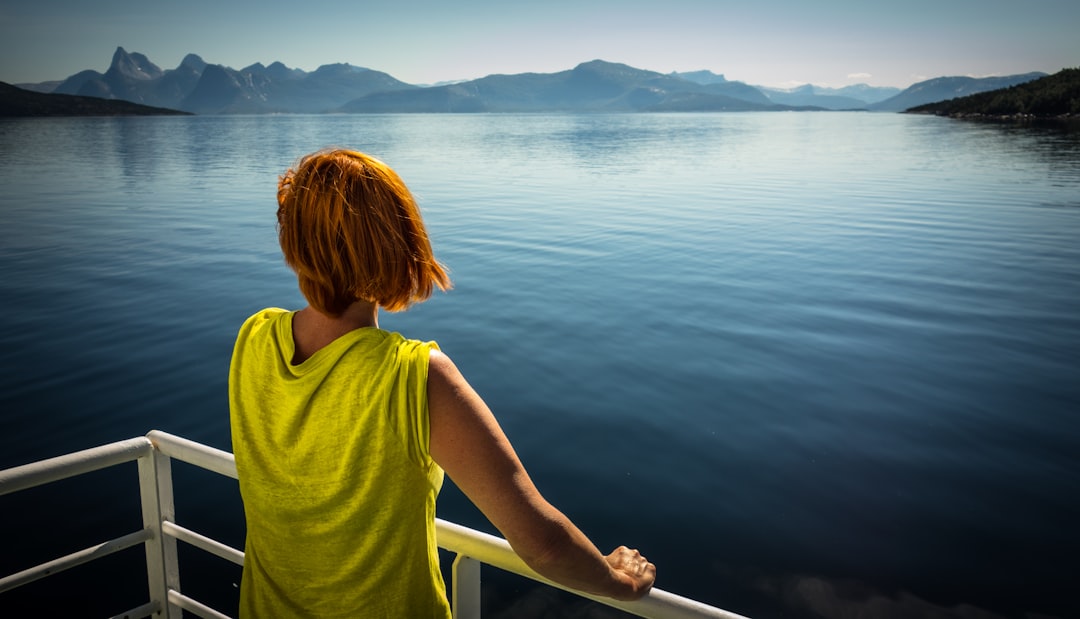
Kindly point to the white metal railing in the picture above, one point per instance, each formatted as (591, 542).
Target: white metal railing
(155, 452)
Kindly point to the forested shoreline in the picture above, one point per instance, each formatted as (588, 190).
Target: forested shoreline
(1053, 97)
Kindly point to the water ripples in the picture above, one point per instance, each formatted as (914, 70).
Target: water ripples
(843, 343)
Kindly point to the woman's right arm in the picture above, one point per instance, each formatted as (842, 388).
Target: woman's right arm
(467, 442)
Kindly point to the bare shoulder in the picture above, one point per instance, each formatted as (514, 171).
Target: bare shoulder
(439, 362)
(444, 377)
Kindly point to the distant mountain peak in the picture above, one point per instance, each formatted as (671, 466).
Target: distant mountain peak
(278, 70)
(193, 61)
(133, 66)
(704, 77)
(594, 65)
(611, 71)
(339, 68)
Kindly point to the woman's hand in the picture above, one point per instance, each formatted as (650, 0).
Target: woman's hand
(635, 571)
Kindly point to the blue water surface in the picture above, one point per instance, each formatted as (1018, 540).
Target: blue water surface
(812, 364)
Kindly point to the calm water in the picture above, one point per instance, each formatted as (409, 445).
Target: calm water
(813, 365)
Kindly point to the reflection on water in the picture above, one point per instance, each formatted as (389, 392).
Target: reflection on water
(814, 365)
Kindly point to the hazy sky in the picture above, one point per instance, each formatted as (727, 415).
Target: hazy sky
(770, 43)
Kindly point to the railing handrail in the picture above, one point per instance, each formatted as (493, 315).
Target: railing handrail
(466, 543)
(69, 465)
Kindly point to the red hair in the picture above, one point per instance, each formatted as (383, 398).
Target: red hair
(351, 230)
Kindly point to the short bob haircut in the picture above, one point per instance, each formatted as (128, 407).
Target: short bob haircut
(351, 230)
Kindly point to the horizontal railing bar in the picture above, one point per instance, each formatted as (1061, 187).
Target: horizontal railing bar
(495, 551)
(139, 611)
(68, 465)
(65, 562)
(481, 546)
(204, 456)
(660, 604)
(194, 606)
(198, 540)
(489, 549)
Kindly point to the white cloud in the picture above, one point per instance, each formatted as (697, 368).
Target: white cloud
(859, 76)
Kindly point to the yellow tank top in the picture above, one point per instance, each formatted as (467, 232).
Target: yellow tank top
(338, 485)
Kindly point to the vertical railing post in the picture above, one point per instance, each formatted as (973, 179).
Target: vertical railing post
(162, 567)
(466, 587)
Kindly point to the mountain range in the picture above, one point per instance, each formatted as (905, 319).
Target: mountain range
(198, 87)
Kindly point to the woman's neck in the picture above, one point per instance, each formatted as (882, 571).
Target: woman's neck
(312, 329)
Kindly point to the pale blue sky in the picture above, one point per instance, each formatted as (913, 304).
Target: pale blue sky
(778, 43)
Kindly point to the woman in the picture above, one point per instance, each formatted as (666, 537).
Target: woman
(342, 431)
